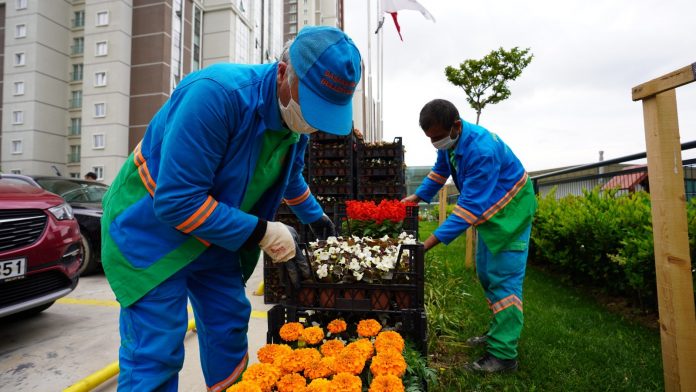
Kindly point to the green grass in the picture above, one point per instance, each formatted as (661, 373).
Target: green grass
(569, 341)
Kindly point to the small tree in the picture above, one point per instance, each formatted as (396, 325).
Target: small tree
(493, 72)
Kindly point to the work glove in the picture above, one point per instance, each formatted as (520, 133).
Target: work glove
(278, 242)
(297, 268)
(323, 228)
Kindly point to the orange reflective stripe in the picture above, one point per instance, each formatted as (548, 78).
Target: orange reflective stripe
(197, 218)
(511, 300)
(224, 384)
(488, 214)
(299, 199)
(464, 214)
(143, 171)
(437, 178)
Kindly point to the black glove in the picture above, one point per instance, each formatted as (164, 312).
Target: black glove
(296, 269)
(323, 228)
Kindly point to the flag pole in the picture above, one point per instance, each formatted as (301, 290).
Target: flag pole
(370, 132)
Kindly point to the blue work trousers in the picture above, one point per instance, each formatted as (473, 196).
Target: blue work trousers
(153, 328)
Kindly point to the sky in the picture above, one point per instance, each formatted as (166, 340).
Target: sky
(572, 101)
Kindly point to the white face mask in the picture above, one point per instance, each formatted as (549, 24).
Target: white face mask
(292, 115)
(445, 143)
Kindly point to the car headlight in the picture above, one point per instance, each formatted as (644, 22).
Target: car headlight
(62, 212)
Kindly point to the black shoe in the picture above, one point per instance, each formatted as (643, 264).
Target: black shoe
(477, 340)
(490, 364)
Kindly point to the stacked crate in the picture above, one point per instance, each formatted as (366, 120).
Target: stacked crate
(381, 172)
(331, 169)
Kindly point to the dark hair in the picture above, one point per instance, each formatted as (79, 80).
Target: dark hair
(438, 112)
(91, 175)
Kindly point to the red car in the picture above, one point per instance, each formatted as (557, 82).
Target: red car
(40, 253)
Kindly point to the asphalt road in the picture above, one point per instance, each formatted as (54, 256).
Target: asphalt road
(78, 335)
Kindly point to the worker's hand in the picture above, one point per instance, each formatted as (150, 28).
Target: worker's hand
(411, 198)
(297, 268)
(278, 242)
(323, 228)
(430, 243)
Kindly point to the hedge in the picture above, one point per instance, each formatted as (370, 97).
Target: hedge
(603, 239)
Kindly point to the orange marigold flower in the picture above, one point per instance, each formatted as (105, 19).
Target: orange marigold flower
(349, 361)
(320, 369)
(389, 340)
(369, 328)
(312, 335)
(364, 346)
(332, 347)
(290, 332)
(244, 386)
(388, 362)
(292, 383)
(386, 383)
(299, 360)
(337, 326)
(319, 385)
(345, 382)
(264, 375)
(269, 352)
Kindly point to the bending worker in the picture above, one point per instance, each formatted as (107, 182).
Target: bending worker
(496, 197)
(192, 205)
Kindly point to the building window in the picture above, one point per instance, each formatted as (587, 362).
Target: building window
(20, 30)
(16, 171)
(78, 19)
(100, 109)
(16, 146)
(98, 141)
(76, 126)
(77, 72)
(74, 175)
(197, 33)
(21, 4)
(102, 18)
(76, 99)
(20, 59)
(100, 79)
(102, 48)
(18, 117)
(99, 171)
(18, 88)
(75, 152)
(78, 46)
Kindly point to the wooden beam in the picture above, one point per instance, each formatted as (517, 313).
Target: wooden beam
(670, 81)
(470, 248)
(442, 196)
(672, 259)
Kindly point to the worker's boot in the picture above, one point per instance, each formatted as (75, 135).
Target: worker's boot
(490, 364)
(476, 341)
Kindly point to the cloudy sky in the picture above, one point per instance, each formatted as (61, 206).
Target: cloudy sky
(572, 101)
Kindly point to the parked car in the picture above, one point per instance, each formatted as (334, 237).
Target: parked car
(85, 198)
(40, 250)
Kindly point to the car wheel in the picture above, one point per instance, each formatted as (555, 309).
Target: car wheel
(89, 259)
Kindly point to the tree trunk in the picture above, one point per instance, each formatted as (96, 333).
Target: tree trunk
(478, 115)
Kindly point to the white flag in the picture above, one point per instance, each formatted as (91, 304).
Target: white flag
(390, 6)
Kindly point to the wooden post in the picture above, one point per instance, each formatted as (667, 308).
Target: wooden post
(470, 248)
(672, 261)
(442, 196)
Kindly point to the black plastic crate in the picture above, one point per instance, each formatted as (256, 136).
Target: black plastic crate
(382, 150)
(412, 324)
(404, 291)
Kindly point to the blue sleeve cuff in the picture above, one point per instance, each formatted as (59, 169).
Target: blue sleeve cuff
(450, 229)
(308, 211)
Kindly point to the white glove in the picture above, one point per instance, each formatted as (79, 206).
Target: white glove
(278, 242)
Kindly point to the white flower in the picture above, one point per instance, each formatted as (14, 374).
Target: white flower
(358, 275)
(323, 271)
(354, 265)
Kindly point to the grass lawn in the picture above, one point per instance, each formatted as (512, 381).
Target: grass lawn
(569, 341)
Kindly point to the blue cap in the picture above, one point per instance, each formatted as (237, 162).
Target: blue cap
(328, 64)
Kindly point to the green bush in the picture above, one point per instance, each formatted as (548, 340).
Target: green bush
(602, 239)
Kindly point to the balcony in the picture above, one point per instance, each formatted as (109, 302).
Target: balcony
(74, 130)
(76, 76)
(75, 103)
(77, 24)
(77, 50)
(73, 158)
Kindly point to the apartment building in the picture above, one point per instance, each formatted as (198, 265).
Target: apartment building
(300, 13)
(81, 79)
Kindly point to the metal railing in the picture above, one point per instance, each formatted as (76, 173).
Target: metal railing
(614, 173)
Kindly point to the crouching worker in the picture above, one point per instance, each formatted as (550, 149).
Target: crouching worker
(193, 204)
(496, 197)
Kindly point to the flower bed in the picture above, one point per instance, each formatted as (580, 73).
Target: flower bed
(358, 353)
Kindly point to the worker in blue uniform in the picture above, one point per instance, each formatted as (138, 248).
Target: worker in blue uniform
(497, 197)
(193, 204)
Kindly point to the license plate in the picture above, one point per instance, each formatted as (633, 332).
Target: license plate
(13, 268)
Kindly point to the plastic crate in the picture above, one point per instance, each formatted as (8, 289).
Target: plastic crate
(412, 324)
(407, 291)
(388, 150)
